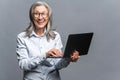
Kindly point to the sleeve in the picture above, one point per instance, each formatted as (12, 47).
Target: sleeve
(61, 62)
(26, 62)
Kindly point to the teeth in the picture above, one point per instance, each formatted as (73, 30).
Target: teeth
(40, 21)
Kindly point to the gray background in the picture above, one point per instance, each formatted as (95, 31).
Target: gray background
(70, 16)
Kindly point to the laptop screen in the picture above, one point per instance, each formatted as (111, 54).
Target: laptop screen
(80, 42)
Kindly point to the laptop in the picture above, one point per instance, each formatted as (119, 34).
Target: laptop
(80, 42)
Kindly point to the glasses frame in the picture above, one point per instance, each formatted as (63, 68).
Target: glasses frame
(43, 14)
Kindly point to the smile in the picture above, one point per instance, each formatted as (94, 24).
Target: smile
(40, 22)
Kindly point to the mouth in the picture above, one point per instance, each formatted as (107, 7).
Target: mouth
(40, 22)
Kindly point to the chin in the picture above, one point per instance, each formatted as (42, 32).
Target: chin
(40, 27)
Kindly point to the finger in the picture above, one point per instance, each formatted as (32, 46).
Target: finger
(76, 53)
(57, 52)
(52, 54)
(74, 58)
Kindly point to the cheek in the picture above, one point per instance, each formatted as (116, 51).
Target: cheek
(34, 19)
(34, 22)
(46, 21)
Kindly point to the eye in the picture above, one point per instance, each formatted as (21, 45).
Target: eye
(43, 14)
(36, 14)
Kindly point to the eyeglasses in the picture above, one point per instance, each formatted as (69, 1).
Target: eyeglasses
(37, 14)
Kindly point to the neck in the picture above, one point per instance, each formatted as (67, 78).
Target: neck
(39, 31)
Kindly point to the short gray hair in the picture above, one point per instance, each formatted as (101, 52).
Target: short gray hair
(49, 33)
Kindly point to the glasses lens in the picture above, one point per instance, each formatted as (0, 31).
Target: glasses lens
(41, 14)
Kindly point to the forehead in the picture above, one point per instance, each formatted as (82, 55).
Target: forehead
(41, 8)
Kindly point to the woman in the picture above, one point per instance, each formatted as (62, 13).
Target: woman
(38, 43)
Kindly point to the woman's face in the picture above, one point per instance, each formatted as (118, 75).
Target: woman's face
(40, 17)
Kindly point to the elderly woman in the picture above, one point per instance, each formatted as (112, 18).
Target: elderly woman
(38, 43)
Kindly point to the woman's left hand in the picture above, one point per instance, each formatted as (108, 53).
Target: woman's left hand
(75, 56)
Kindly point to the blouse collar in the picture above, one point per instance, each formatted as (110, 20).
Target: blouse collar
(34, 34)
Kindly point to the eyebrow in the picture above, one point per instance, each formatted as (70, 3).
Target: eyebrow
(40, 12)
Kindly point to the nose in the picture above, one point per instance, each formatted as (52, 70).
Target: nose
(40, 16)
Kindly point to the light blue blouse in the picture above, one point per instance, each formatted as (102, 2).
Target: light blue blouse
(32, 58)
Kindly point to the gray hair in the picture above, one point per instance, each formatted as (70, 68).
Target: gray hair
(49, 33)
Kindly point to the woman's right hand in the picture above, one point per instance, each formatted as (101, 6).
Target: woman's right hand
(54, 53)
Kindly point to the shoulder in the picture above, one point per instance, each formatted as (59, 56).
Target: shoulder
(21, 35)
(57, 34)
